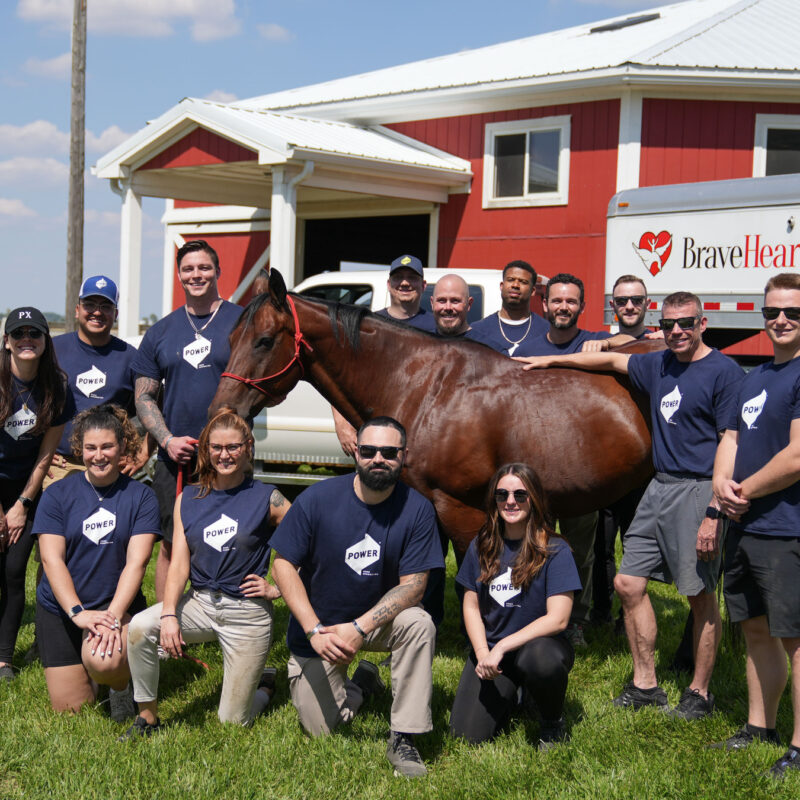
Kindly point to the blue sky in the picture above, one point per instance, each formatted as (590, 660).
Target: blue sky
(143, 56)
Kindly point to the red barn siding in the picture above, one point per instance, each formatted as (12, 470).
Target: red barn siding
(192, 204)
(198, 148)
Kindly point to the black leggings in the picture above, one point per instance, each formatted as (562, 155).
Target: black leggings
(482, 707)
(13, 563)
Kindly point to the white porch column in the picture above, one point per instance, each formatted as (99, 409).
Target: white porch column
(283, 225)
(130, 262)
(629, 150)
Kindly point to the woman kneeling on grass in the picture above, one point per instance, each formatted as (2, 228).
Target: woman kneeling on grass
(96, 532)
(222, 526)
(519, 578)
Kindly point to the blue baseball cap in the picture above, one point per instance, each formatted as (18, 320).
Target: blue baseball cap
(99, 285)
(412, 262)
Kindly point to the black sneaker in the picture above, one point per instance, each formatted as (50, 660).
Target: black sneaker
(268, 679)
(367, 677)
(403, 756)
(634, 697)
(744, 738)
(693, 705)
(140, 729)
(551, 734)
(788, 761)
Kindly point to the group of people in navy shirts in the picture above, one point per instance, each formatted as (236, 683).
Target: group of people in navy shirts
(353, 555)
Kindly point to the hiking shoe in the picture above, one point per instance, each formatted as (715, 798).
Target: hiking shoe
(788, 761)
(636, 698)
(744, 737)
(367, 677)
(267, 680)
(693, 705)
(140, 729)
(551, 734)
(120, 704)
(403, 756)
(574, 634)
(7, 673)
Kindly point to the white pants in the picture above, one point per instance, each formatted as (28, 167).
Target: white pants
(243, 628)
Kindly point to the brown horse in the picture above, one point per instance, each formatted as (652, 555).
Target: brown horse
(467, 409)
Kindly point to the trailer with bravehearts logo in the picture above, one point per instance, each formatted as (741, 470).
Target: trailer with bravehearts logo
(721, 240)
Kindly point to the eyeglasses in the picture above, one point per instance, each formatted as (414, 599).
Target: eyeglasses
(232, 449)
(368, 451)
(684, 323)
(90, 307)
(520, 495)
(26, 333)
(636, 299)
(773, 312)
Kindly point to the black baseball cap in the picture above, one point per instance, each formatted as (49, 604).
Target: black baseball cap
(26, 317)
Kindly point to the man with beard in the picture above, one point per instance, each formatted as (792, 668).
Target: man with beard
(351, 560)
(451, 303)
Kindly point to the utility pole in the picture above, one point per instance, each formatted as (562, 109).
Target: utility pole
(77, 158)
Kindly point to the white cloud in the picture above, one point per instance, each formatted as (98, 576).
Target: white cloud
(208, 19)
(104, 218)
(273, 32)
(14, 208)
(221, 96)
(38, 171)
(58, 68)
(44, 138)
(107, 140)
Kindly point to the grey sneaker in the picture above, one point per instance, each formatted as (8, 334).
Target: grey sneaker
(551, 734)
(403, 756)
(744, 737)
(693, 705)
(139, 730)
(790, 760)
(7, 673)
(368, 678)
(120, 704)
(574, 634)
(634, 697)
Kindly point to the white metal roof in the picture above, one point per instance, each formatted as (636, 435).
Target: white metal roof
(760, 35)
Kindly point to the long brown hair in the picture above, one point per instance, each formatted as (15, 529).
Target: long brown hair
(49, 387)
(226, 419)
(105, 417)
(535, 547)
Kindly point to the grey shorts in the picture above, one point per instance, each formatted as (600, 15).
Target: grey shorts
(662, 539)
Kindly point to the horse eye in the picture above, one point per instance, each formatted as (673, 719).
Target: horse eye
(266, 342)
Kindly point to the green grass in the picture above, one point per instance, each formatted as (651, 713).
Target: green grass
(613, 753)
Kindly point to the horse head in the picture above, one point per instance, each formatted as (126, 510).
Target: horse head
(266, 352)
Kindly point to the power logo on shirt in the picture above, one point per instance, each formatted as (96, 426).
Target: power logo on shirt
(99, 525)
(197, 351)
(219, 533)
(751, 410)
(90, 381)
(502, 590)
(670, 404)
(362, 554)
(20, 423)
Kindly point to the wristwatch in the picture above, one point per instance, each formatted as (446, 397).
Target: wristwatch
(26, 501)
(75, 610)
(314, 631)
(713, 513)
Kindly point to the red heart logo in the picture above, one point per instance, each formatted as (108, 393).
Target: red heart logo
(654, 250)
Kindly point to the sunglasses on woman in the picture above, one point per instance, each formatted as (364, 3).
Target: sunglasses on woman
(26, 333)
(520, 495)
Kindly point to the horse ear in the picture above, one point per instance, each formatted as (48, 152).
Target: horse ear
(261, 283)
(277, 289)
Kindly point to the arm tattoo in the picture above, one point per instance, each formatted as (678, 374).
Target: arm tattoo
(276, 499)
(147, 408)
(399, 598)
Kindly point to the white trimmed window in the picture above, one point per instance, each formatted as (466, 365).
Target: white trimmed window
(526, 163)
(777, 144)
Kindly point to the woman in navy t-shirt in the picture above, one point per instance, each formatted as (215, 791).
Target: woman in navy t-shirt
(222, 527)
(519, 579)
(34, 405)
(96, 531)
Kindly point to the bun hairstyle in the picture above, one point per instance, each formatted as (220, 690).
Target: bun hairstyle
(106, 417)
(225, 419)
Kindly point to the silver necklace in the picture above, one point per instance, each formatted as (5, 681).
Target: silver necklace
(514, 344)
(101, 497)
(199, 331)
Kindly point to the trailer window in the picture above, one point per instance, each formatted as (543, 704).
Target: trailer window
(526, 163)
(777, 144)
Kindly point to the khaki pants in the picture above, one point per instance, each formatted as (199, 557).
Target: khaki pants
(325, 698)
(57, 473)
(580, 533)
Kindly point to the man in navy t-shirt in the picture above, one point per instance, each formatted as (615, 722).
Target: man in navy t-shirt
(756, 482)
(187, 350)
(676, 533)
(352, 557)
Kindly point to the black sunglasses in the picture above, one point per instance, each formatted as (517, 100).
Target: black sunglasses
(773, 312)
(520, 495)
(636, 299)
(23, 333)
(368, 451)
(684, 323)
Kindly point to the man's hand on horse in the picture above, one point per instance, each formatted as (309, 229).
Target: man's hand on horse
(533, 362)
(594, 346)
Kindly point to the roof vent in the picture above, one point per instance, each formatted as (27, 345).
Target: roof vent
(625, 23)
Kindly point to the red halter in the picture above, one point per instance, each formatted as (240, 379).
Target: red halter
(299, 339)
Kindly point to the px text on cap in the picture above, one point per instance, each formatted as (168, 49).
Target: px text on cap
(26, 317)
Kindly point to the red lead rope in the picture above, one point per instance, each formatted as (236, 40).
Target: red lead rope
(299, 339)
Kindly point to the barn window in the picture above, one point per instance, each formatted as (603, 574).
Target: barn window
(777, 144)
(526, 163)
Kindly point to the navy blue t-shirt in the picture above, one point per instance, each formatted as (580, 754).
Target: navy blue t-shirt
(505, 608)
(228, 535)
(18, 448)
(542, 346)
(768, 401)
(190, 367)
(690, 403)
(95, 375)
(97, 533)
(350, 553)
(490, 331)
(422, 320)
